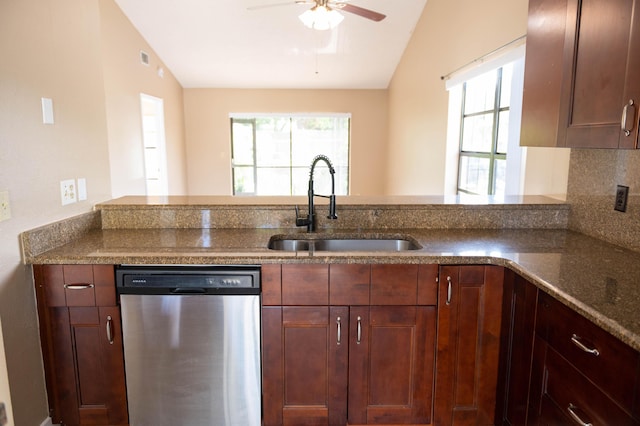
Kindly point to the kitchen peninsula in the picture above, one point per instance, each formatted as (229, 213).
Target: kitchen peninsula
(527, 237)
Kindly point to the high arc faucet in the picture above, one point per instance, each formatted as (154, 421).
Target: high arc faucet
(310, 220)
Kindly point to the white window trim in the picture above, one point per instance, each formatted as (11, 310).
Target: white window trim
(515, 156)
(253, 116)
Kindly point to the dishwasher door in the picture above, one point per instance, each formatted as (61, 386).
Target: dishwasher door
(192, 360)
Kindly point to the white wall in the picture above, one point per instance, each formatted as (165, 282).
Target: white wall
(208, 131)
(54, 49)
(449, 35)
(4, 382)
(49, 48)
(125, 77)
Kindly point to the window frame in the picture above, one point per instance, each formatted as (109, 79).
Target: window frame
(252, 122)
(492, 155)
(252, 118)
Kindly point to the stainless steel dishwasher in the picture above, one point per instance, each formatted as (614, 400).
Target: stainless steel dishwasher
(191, 338)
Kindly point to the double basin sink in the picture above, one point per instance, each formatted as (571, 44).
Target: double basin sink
(337, 243)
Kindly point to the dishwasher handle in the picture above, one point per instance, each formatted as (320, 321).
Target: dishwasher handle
(188, 290)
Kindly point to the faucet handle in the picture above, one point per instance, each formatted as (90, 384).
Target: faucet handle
(301, 221)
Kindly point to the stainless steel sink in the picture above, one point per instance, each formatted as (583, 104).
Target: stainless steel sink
(339, 243)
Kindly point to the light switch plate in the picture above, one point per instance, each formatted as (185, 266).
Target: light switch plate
(68, 191)
(5, 209)
(82, 189)
(47, 111)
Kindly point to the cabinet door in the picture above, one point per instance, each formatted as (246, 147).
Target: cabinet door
(518, 330)
(543, 117)
(469, 323)
(88, 366)
(603, 82)
(580, 72)
(81, 344)
(391, 364)
(305, 355)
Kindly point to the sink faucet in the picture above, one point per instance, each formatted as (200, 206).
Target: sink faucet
(310, 220)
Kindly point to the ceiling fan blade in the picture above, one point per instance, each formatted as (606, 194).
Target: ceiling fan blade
(360, 11)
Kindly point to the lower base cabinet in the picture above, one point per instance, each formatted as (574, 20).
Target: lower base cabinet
(339, 364)
(580, 373)
(468, 347)
(81, 341)
(348, 344)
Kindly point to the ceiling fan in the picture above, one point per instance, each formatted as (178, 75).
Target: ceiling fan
(323, 14)
(347, 7)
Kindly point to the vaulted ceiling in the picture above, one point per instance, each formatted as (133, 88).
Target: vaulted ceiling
(263, 44)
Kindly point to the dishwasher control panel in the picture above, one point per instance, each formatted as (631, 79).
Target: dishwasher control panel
(210, 279)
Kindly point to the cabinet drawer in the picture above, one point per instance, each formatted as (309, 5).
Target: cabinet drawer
(77, 285)
(574, 337)
(394, 284)
(577, 398)
(305, 285)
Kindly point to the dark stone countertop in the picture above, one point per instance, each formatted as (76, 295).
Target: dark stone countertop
(598, 280)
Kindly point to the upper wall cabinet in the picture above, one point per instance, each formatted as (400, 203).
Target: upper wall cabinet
(580, 89)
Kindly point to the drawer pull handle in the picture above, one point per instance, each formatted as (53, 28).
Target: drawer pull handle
(339, 329)
(449, 290)
(576, 417)
(576, 341)
(78, 286)
(109, 329)
(359, 328)
(629, 111)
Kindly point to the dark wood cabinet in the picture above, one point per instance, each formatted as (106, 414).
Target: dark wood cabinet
(520, 299)
(580, 373)
(468, 346)
(391, 364)
(81, 344)
(304, 365)
(354, 362)
(580, 88)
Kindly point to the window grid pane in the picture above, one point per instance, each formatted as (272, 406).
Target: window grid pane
(477, 133)
(474, 174)
(480, 93)
(484, 132)
(284, 149)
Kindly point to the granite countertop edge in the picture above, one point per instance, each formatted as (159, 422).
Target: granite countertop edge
(567, 265)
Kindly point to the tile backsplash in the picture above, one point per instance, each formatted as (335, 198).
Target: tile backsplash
(593, 177)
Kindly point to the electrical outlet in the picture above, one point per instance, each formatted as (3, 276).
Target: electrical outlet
(5, 210)
(68, 191)
(3, 414)
(622, 193)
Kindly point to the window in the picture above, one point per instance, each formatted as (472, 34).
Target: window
(483, 136)
(155, 162)
(271, 154)
(484, 132)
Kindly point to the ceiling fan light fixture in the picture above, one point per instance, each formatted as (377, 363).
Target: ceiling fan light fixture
(321, 18)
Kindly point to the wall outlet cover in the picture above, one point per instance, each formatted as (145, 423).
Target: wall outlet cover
(68, 191)
(622, 194)
(82, 189)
